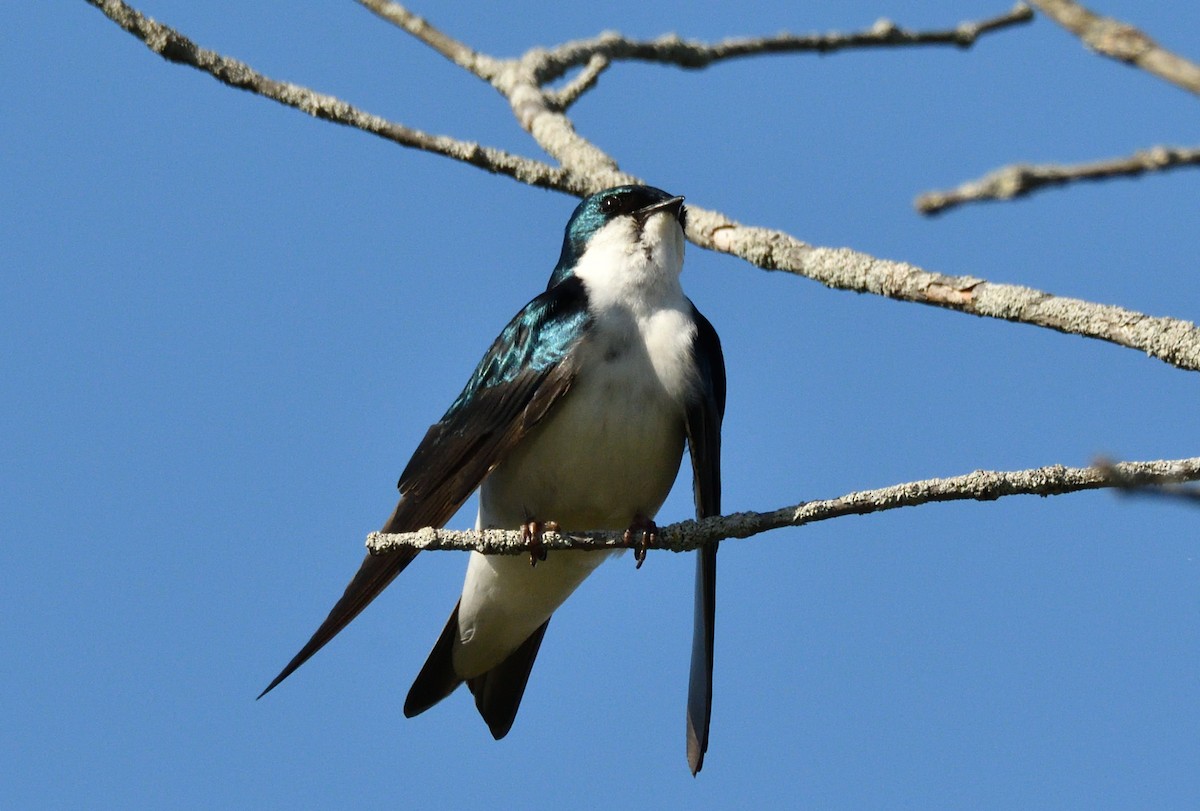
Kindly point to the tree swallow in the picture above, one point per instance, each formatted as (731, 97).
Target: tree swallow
(576, 418)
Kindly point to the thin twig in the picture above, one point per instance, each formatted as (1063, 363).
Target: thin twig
(540, 111)
(1020, 180)
(981, 485)
(1123, 42)
(483, 66)
(586, 79)
(673, 50)
(597, 53)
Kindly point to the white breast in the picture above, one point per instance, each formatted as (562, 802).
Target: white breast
(611, 450)
(608, 453)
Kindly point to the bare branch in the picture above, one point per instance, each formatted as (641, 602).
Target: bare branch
(673, 50)
(1020, 180)
(483, 66)
(1122, 42)
(982, 485)
(1171, 340)
(1183, 493)
(174, 47)
(588, 169)
(585, 81)
(540, 111)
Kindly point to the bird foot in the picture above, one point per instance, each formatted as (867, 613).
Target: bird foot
(646, 533)
(531, 533)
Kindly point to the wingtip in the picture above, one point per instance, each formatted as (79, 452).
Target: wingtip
(372, 577)
(291, 667)
(274, 683)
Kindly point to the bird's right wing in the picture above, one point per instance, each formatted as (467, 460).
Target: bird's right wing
(525, 372)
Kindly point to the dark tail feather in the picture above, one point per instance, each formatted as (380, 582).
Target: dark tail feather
(437, 678)
(373, 576)
(498, 692)
(699, 706)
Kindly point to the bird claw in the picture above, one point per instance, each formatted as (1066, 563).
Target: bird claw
(648, 531)
(531, 534)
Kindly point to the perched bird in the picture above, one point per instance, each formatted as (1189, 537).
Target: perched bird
(576, 418)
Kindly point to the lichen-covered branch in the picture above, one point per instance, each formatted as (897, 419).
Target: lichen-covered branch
(582, 82)
(174, 47)
(585, 169)
(673, 50)
(1019, 180)
(483, 66)
(1171, 340)
(1111, 38)
(982, 485)
(1186, 494)
(1123, 42)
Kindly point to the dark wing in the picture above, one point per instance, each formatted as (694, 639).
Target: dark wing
(524, 373)
(704, 416)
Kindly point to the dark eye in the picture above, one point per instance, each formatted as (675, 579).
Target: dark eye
(610, 205)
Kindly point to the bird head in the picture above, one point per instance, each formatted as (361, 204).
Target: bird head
(633, 221)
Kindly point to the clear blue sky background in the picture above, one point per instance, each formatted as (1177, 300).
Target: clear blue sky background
(225, 326)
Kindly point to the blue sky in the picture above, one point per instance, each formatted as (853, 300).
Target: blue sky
(225, 326)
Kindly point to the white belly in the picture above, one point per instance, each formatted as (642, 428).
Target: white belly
(605, 455)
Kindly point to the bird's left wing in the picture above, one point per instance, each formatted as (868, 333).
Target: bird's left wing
(704, 417)
(525, 372)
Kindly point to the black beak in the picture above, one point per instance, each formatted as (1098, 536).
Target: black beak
(673, 206)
